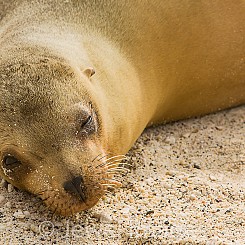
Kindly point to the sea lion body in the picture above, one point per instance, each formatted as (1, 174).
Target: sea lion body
(62, 129)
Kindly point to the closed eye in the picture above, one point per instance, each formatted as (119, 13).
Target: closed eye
(10, 162)
(86, 122)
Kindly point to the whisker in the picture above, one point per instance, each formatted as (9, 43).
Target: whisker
(118, 172)
(111, 179)
(116, 165)
(108, 193)
(45, 199)
(50, 204)
(117, 160)
(118, 176)
(111, 190)
(108, 163)
(103, 156)
(126, 164)
(109, 185)
(114, 182)
(115, 157)
(43, 191)
(40, 193)
(97, 157)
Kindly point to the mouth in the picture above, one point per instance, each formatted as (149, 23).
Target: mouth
(82, 192)
(66, 204)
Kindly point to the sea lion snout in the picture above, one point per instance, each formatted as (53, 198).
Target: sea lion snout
(79, 186)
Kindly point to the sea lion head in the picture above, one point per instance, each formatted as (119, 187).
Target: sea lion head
(52, 139)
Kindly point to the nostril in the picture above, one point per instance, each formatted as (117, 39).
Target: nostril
(76, 186)
(10, 162)
(78, 181)
(70, 187)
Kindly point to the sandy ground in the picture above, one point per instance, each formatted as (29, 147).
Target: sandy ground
(187, 186)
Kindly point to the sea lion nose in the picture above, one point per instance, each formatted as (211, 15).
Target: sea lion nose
(76, 186)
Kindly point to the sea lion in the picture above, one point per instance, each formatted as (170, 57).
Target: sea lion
(80, 80)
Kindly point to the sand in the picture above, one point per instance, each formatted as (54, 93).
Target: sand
(187, 186)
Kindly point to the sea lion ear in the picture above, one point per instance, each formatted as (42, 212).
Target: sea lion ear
(89, 72)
